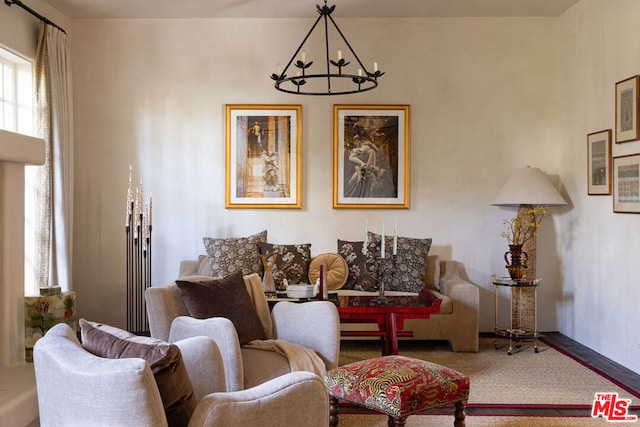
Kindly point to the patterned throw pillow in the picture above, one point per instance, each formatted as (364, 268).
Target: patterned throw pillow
(410, 265)
(227, 256)
(363, 269)
(290, 262)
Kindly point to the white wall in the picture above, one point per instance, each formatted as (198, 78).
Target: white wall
(598, 297)
(151, 93)
(487, 96)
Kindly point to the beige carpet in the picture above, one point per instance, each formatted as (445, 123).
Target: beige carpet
(545, 378)
(473, 421)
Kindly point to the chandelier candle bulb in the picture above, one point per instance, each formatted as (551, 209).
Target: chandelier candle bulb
(339, 55)
(303, 56)
(360, 72)
(382, 243)
(375, 67)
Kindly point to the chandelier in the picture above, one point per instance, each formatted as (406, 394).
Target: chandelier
(336, 80)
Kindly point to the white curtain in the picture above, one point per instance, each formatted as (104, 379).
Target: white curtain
(54, 212)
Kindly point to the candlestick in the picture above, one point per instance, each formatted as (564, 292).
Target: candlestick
(382, 243)
(395, 239)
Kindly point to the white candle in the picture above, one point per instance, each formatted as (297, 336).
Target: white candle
(360, 72)
(303, 56)
(395, 239)
(375, 67)
(339, 55)
(366, 237)
(382, 243)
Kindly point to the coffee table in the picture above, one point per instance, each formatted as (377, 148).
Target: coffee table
(388, 315)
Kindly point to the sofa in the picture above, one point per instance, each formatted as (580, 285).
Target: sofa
(457, 322)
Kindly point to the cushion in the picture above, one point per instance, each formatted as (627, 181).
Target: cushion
(336, 269)
(225, 297)
(226, 256)
(410, 264)
(363, 269)
(397, 385)
(164, 359)
(291, 262)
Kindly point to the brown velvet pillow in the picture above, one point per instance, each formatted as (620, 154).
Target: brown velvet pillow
(164, 359)
(226, 297)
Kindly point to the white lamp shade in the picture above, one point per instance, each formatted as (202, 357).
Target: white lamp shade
(528, 186)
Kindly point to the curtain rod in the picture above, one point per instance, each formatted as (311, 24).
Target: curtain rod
(34, 13)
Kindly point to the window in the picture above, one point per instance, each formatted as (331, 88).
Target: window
(17, 115)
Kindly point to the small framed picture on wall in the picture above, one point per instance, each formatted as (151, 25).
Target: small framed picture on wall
(599, 163)
(627, 112)
(626, 184)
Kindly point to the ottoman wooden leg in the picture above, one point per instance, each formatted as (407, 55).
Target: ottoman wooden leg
(333, 412)
(396, 421)
(459, 414)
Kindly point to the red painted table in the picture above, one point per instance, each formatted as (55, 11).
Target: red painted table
(388, 316)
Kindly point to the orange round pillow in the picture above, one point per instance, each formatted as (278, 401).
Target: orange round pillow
(335, 266)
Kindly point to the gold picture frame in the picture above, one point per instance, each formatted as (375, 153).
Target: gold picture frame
(599, 163)
(626, 184)
(371, 150)
(263, 156)
(627, 111)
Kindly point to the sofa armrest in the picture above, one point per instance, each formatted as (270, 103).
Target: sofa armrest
(204, 364)
(314, 325)
(268, 404)
(222, 331)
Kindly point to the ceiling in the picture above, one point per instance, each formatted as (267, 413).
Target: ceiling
(307, 8)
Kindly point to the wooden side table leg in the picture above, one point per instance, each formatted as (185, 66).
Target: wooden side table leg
(396, 421)
(459, 414)
(333, 411)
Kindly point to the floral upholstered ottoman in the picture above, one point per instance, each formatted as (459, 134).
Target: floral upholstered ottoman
(398, 386)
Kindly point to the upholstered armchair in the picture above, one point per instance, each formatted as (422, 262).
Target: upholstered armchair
(77, 388)
(313, 326)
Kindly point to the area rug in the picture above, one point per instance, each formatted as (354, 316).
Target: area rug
(350, 420)
(525, 383)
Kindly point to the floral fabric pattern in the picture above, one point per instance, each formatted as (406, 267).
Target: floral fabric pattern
(289, 262)
(397, 385)
(226, 256)
(410, 265)
(363, 269)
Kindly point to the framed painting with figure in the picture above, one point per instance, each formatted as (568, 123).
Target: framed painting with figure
(371, 156)
(626, 184)
(263, 156)
(599, 163)
(627, 112)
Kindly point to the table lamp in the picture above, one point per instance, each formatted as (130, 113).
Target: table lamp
(525, 188)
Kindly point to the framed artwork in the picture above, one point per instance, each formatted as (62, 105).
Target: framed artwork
(263, 156)
(371, 156)
(626, 184)
(599, 163)
(627, 110)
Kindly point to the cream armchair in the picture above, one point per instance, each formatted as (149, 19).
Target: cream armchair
(314, 326)
(77, 388)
